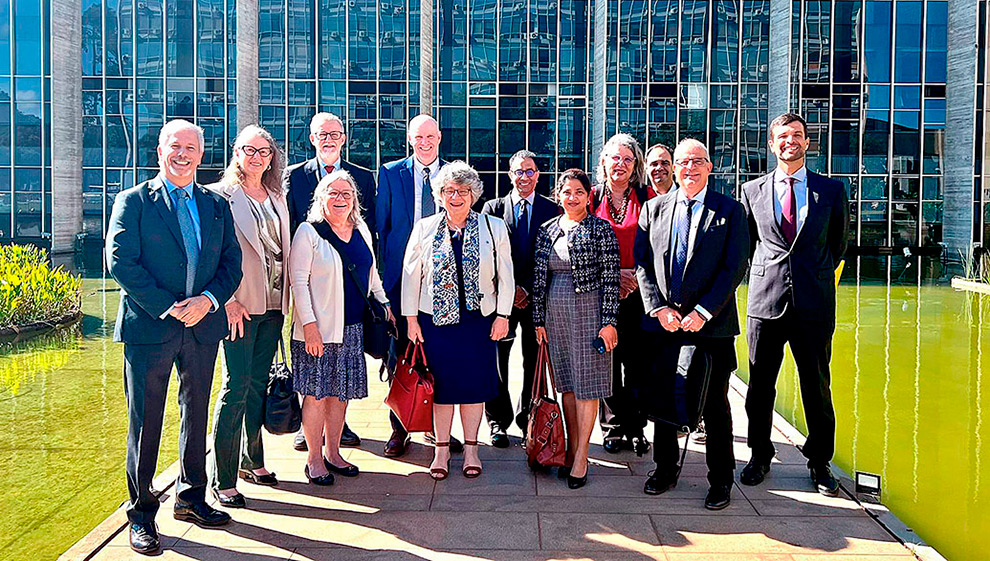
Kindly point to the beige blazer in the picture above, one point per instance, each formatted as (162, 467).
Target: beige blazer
(317, 275)
(252, 293)
(417, 267)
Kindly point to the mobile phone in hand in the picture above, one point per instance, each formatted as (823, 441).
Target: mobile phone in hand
(599, 345)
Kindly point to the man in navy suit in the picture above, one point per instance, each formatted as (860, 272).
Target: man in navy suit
(523, 211)
(405, 196)
(326, 132)
(799, 223)
(171, 247)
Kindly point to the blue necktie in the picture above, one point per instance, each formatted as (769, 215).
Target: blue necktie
(189, 239)
(522, 221)
(429, 208)
(680, 253)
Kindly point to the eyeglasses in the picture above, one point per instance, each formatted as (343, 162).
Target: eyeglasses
(462, 193)
(619, 159)
(250, 151)
(332, 135)
(696, 162)
(342, 195)
(526, 172)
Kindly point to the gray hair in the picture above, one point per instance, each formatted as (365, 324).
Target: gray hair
(325, 116)
(271, 179)
(176, 125)
(691, 142)
(322, 194)
(457, 173)
(520, 156)
(623, 140)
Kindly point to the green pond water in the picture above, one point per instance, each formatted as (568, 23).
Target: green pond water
(907, 368)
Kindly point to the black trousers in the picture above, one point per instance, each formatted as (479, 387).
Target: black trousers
(147, 369)
(811, 345)
(499, 410)
(718, 418)
(620, 413)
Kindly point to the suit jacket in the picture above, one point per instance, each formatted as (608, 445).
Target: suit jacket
(716, 266)
(299, 182)
(146, 256)
(252, 292)
(394, 216)
(801, 275)
(523, 250)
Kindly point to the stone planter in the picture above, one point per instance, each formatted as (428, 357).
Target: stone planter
(21, 333)
(960, 283)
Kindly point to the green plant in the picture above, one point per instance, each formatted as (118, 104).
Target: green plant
(31, 290)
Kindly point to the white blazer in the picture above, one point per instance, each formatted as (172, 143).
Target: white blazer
(317, 275)
(417, 267)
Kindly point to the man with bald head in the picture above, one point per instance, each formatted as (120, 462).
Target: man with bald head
(691, 252)
(404, 197)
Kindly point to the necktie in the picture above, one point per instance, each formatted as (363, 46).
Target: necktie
(788, 218)
(329, 169)
(429, 209)
(680, 252)
(522, 221)
(189, 239)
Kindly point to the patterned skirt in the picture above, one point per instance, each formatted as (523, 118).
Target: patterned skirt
(341, 372)
(573, 322)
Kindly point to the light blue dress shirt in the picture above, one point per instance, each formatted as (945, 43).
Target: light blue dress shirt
(194, 214)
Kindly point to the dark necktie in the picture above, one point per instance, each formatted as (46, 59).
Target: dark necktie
(522, 221)
(788, 212)
(189, 240)
(683, 230)
(429, 209)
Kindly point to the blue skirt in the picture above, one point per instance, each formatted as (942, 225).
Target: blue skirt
(462, 358)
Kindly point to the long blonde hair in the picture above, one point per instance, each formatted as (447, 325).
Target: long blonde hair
(322, 194)
(271, 179)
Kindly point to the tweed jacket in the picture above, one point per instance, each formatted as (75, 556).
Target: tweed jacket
(594, 252)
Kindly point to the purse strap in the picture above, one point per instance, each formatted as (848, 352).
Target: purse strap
(325, 232)
(488, 224)
(281, 349)
(543, 369)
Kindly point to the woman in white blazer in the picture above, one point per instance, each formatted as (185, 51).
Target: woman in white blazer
(457, 292)
(252, 185)
(327, 333)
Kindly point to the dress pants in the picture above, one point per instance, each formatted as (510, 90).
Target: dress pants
(718, 418)
(240, 408)
(147, 369)
(811, 344)
(499, 410)
(621, 414)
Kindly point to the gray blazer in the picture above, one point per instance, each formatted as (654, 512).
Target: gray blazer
(801, 275)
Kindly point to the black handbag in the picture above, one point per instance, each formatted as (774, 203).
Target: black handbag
(378, 331)
(283, 414)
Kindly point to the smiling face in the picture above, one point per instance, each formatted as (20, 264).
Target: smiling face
(519, 176)
(327, 136)
(618, 162)
(339, 202)
(179, 155)
(457, 200)
(789, 142)
(254, 156)
(692, 167)
(424, 137)
(658, 168)
(574, 198)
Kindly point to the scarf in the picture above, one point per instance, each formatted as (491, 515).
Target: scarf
(446, 300)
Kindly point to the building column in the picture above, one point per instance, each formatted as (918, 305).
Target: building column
(247, 63)
(960, 130)
(67, 134)
(779, 87)
(426, 57)
(599, 90)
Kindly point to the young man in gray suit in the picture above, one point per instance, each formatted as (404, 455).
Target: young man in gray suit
(799, 223)
(171, 247)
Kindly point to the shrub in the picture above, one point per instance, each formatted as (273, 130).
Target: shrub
(31, 290)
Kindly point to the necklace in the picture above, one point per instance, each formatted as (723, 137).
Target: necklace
(619, 214)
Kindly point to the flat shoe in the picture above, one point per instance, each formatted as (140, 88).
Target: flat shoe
(323, 480)
(268, 480)
(237, 501)
(348, 471)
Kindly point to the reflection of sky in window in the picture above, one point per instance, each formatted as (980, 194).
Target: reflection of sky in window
(877, 42)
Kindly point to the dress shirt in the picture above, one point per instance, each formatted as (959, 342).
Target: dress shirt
(516, 199)
(418, 182)
(800, 194)
(321, 168)
(680, 207)
(194, 215)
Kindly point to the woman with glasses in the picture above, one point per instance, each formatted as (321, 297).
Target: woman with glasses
(252, 184)
(333, 273)
(457, 294)
(617, 199)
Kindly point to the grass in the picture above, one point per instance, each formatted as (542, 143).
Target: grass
(31, 290)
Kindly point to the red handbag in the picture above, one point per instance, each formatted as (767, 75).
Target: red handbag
(545, 440)
(410, 396)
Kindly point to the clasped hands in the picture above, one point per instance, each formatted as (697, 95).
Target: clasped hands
(191, 310)
(671, 320)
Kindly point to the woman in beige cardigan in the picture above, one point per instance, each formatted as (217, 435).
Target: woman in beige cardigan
(327, 336)
(253, 187)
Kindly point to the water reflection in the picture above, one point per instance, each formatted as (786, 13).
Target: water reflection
(23, 363)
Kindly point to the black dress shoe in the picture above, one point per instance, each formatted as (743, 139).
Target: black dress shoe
(455, 445)
(640, 445)
(349, 438)
(576, 482)
(613, 445)
(299, 442)
(144, 538)
(824, 481)
(268, 480)
(237, 501)
(200, 514)
(499, 438)
(323, 480)
(754, 472)
(660, 481)
(349, 471)
(718, 497)
(396, 445)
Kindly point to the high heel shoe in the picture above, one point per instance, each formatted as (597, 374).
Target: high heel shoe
(437, 473)
(471, 471)
(577, 482)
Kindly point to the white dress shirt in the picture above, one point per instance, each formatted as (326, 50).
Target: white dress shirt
(800, 195)
(680, 207)
(418, 181)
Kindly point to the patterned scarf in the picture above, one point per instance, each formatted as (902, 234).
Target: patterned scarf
(446, 302)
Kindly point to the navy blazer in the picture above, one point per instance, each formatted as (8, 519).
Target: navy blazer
(713, 272)
(523, 251)
(299, 183)
(394, 215)
(146, 256)
(801, 274)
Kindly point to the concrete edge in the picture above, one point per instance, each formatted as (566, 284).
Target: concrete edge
(884, 517)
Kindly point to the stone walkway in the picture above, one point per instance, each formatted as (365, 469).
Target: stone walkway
(394, 511)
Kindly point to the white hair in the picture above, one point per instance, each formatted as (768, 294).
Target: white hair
(457, 173)
(176, 125)
(325, 116)
(690, 143)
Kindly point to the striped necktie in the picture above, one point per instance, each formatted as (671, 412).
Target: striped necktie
(189, 239)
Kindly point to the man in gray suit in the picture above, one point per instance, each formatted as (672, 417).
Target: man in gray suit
(799, 223)
(171, 247)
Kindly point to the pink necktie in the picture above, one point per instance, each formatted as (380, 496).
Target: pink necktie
(788, 220)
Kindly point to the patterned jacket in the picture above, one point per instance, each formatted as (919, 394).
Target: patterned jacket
(594, 252)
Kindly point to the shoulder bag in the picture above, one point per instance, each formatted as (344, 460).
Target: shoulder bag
(283, 414)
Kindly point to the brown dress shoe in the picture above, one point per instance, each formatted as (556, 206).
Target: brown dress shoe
(396, 445)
